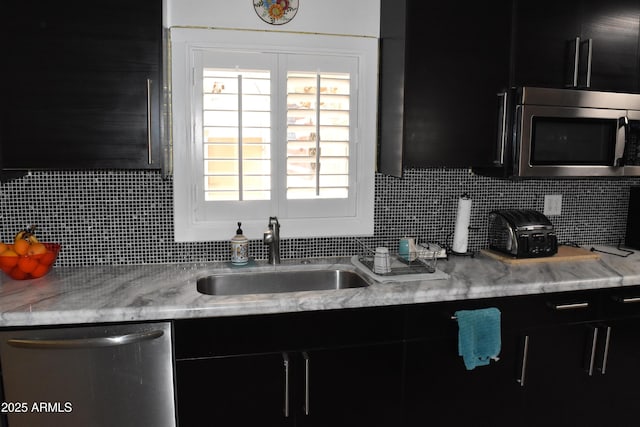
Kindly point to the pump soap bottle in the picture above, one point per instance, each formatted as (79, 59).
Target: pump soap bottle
(239, 248)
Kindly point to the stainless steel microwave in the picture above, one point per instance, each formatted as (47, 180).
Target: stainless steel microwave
(570, 133)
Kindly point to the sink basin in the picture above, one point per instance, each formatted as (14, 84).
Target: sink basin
(279, 281)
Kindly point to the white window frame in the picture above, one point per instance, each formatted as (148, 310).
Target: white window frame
(190, 224)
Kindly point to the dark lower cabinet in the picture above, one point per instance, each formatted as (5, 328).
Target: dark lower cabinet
(232, 391)
(567, 359)
(582, 372)
(353, 386)
(337, 387)
(440, 391)
(619, 373)
(337, 368)
(559, 389)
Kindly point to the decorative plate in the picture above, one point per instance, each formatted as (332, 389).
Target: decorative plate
(276, 12)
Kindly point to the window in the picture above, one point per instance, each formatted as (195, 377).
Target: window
(271, 124)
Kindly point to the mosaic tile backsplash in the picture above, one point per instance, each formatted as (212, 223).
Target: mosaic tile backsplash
(126, 217)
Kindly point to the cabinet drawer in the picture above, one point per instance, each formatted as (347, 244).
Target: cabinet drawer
(286, 332)
(621, 302)
(564, 307)
(437, 320)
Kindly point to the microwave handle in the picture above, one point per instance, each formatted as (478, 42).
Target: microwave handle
(502, 131)
(621, 140)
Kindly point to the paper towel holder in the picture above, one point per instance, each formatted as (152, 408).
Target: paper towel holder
(464, 197)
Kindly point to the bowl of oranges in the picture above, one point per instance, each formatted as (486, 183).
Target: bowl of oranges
(26, 257)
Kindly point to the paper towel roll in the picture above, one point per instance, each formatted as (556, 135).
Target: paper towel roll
(463, 218)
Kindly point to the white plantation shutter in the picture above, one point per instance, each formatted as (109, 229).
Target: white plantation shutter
(321, 136)
(233, 134)
(274, 131)
(237, 134)
(318, 135)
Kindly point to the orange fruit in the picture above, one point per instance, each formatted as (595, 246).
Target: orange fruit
(48, 258)
(9, 252)
(21, 246)
(37, 249)
(40, 270)
(18, 274)
(27, 264)
(8, 258)
(3, 247)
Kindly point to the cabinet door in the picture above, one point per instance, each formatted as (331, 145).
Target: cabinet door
(441, 392)
(81, 85)
(613, 29)
(456, 64)
(618, 371)
(559, 376)
(234, 391)
(441, 70)
(360, 386)
(545, 51)
(542, 50)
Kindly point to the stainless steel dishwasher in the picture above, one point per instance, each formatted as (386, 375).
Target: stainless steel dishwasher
(114, 375)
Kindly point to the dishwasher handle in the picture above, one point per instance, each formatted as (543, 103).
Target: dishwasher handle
(73, 343)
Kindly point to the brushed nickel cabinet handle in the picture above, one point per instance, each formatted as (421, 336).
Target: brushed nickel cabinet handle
(605, 356)
(111, 341)
(306, 381)
(149, 152)
(630, 300)
(572, 306)
(525, 355)
(285, 359)
(576, 62)
(592, 357)
(589, 58)
(502, 139)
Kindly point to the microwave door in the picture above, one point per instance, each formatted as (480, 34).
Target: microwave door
(569, 141)
(632, 146)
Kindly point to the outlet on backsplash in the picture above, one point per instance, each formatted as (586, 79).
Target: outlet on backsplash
(552, 204)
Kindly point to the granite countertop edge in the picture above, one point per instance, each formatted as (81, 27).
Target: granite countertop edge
(104, 294)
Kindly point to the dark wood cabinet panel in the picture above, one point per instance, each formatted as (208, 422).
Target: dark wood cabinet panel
(238, 391)
(604, 36)
(439, 386)
(339, 368)
(82, 85)
(557, 377)
(355, 386)
(399, 366)
(442, 68)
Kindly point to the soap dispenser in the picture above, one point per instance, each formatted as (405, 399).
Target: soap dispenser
(239, 248)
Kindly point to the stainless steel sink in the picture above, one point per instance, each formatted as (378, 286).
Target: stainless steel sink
(279, 281)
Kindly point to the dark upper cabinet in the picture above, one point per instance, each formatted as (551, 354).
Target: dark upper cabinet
(81, 85)
(442, 66)
(579, 43)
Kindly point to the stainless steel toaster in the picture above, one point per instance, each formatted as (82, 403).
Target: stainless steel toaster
(522, 233)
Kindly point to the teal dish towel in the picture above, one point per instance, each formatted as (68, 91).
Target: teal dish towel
(478, 336)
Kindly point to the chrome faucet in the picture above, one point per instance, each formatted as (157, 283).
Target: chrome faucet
(272, 238)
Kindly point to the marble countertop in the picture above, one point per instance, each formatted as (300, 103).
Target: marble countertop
(74, 295)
